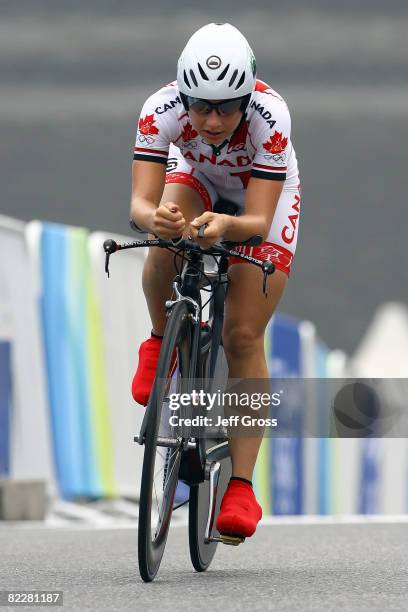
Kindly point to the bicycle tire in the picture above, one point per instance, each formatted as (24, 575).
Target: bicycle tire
(201, 553)
(177, 337)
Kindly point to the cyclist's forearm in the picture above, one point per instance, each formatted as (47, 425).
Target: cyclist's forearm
(245, 226)
(141, 211)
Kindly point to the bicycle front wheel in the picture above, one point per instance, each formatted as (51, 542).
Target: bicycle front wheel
(202, 552)
(163, 447)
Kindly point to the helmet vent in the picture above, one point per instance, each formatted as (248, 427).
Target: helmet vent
(223, 73)
(241, 80)
(234, 76)
(204, 76)
(187, 82)
(193, 78)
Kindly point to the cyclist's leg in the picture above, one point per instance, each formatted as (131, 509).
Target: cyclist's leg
(247, 313)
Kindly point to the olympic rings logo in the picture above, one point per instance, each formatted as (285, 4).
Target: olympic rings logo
(190, 145)
(145, 139)
(278, 158)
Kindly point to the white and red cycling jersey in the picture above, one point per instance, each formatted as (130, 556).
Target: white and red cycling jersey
(261, 147)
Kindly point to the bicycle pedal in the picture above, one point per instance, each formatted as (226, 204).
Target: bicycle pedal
(231, 540)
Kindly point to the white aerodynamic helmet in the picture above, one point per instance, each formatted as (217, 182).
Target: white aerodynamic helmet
(216, 64)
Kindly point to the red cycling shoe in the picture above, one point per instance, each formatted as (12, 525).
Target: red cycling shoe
(143, 380)
(146, 369)
(239, 512)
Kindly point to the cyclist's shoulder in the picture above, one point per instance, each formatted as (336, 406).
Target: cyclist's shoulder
(165, 100)
(267, 110)
(265, 99)
(267, 94)
(159, 119)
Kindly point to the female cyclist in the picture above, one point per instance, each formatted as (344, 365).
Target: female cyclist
(222, 133)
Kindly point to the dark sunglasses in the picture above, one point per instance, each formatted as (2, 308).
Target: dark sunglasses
(227, 107)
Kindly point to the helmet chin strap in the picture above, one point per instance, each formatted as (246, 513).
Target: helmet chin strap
(216, 149)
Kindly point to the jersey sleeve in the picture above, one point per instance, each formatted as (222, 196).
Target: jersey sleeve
(273, 145)
(152, 139)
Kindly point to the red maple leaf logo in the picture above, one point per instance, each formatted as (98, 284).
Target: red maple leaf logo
(276, 144)
(188, 132)
(146, 126)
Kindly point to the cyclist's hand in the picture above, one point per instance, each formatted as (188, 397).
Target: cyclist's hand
(168, 221)
(216, 227)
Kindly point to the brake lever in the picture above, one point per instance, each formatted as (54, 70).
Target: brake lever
(109, 246)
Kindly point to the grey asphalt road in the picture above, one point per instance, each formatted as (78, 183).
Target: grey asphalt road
(345, 567)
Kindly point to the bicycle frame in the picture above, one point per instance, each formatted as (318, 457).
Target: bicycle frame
(187, 288)
(199, 458)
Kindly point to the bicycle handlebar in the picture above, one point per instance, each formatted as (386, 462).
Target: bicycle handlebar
(226, 248)
(110, 246)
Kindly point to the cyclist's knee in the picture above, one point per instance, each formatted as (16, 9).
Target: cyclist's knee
(159, 258)
(158, 270)
(188, 199)
(241, 340)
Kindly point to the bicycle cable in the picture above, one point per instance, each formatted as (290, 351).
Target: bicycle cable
(213, 285)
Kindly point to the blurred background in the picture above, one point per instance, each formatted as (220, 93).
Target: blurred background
(74, 76)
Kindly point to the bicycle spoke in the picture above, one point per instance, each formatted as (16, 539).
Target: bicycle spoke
(172, 468)
(166, 478)
(160, 512)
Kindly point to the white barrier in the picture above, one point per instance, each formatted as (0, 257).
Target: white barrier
(126, 324)
(310, 481)
(383, 353)
(31, 453)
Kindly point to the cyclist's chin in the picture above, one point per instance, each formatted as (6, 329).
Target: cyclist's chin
(213, 138)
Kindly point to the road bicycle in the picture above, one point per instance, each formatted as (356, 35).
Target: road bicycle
(191, 354)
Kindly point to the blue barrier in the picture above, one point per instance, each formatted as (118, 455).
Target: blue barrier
(64, 335)
(5, 406)
(66, 438)
(370, 476)
(76, 379)
(286, 453)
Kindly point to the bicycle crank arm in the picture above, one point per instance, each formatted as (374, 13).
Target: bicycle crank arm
(214, 476)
